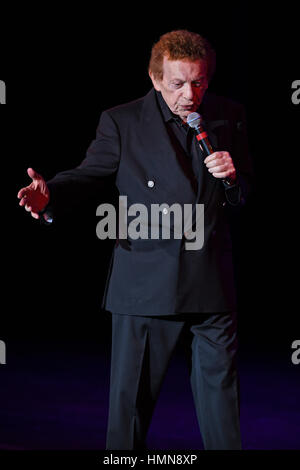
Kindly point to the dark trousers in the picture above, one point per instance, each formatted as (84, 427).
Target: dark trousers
(141, 351)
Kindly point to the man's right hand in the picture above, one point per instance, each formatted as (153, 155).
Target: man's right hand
(36, 196)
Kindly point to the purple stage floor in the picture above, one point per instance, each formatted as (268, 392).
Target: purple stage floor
(56, 397)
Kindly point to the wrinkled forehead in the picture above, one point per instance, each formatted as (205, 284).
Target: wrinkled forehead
(184, 69)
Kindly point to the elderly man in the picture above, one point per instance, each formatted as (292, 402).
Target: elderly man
(157, 290)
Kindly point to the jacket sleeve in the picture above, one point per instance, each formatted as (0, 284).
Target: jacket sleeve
(93, 176)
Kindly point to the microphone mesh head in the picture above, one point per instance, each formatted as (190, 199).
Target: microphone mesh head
(194, 120)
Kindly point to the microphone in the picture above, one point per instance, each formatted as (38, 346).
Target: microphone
(194, 121)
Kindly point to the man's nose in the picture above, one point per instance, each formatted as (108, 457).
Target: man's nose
(188, 92)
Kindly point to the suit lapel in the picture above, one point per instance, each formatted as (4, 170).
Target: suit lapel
(163, 159)
(154, 133)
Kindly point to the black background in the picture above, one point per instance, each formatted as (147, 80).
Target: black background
(62, 68)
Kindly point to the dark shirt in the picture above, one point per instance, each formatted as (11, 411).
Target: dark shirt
(183, 141)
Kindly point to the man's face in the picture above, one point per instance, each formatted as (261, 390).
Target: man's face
(183, 85)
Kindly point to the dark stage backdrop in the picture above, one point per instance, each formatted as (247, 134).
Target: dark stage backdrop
(62, 69)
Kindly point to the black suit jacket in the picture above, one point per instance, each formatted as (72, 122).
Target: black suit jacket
(132, 146)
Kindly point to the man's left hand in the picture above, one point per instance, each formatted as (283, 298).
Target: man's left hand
(220, 165)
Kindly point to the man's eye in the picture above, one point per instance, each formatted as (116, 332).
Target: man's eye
(177, 84)
(200, 84)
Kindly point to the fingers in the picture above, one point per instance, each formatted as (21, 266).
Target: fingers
(33, 174)
(225, 174)
(217, 158)
(29, 207)
(22, 193)
(218, 168)
(24, 200)
(214, 156)
(30, 197)
(35, 177)
(33, 210)
(220, 165)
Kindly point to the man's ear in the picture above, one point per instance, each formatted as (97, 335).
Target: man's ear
(156, 83)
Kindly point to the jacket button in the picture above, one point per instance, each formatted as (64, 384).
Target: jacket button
(150, 184)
